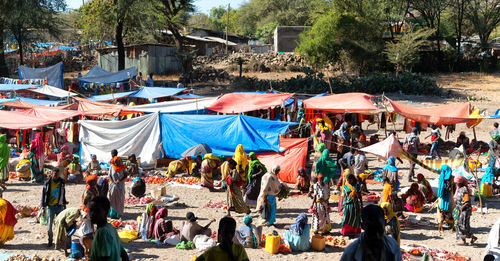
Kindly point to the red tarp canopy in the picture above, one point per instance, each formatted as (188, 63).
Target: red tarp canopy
(439, 115)
(20, 104)
(341, 103)
(234, 103)
(15, 120)
(293, 158)
(94, 108)
(49, 114)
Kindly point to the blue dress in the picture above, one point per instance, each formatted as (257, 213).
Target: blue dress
(298, 243)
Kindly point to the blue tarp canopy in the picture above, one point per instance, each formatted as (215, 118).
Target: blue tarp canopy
(156, 92)
(16, 87)
(53, 74)
(99, 75)
(222, 133)
(189, 96)
(109, 97)
(299, 102)
(32, 101)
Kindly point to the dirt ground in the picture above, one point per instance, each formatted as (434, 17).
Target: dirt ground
(31, 238)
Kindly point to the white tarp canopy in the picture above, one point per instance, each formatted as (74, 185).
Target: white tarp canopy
(173, 106)
(386, 148)
(140, 136)
(53, 92)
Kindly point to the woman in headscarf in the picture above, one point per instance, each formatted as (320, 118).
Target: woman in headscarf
(463, 211)
(255, 172)
(75, 174)
(117, 176)
(94, 166)
(208, 165)
(326, 166)
(179, 166)
(414, 198)
(298, 234)
(64, 221)
(163, 228)
(64, 154)
(321, 217)
(132, 166)
(226, 249)
(87, 231)
(318, 153)
(38, 143)
(91, 191)
(4, 158)
(36, 173)
(391, 184)
(240, 156)
(245, 235)
(487, 182)
(445, 188)
(151, 211)
(425, 187)
(303, 181)
(7, 220)
(266, 203)
(392, 226)
(234, 196)
(353, 203)
(343, 138)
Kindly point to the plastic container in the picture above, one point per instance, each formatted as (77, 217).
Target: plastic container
(318, 242)
(272, 243)
(76, 249)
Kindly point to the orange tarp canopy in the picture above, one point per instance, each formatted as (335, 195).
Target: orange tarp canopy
(95, 108)
(293, 158)
(341, 103)
(20, 104)
(439, 115)
(234, 103)
(15, 120)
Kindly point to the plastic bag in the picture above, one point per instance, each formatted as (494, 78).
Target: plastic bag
(203, 242)
(127, 235)
(42, 216)
(173, 241)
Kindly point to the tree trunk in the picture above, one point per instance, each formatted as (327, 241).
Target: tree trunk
(21, 54)
(4, 70)
(241, 69)
(119, 44)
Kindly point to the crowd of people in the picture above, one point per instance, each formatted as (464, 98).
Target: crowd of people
(250, 185)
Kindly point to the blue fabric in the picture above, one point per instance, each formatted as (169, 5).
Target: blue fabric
(99, 75)
(343, 132)
(53, 74)
(109, 97)
(489, 176)
(222, 133)
(16, 87)
(39, 102)
(298, 243)
(156, 92)
(189, 96)
(496, 115)
(300, 222)
(272, 212)
(443, 192)
(391, 164)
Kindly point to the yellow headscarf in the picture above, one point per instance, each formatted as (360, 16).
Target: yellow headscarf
(240, 156)
(390, 215)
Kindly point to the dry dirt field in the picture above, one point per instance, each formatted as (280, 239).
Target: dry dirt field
(31, 238)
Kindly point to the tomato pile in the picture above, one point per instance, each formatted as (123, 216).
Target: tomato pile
(156, 180)
(188, 180)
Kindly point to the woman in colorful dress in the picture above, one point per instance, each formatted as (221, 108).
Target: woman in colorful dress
(414, 199)
(326, 166)
(255, 172)
(132, 166)
(63, 221)
(179, 166)
(163, 228)
(353, 203)
(208, 165)
(117, 176)
(303, 181)
(240, 156)
(4, 159)
(391, 185)
(235, 200)
(321, 217)
(343, 138)
(445, 188)
(298, 234)
(266, 203)
(7, 220)
(463, 211)
(247, 233)
(487, 181)
(426, 188)
(392, 226)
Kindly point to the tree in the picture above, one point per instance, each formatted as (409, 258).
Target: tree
(112, 19)
(430, 11)
(173, 14)
(404, 53)
(458, 8)
(484, 16)
(266, 32)
(26, 18)
(201, 20)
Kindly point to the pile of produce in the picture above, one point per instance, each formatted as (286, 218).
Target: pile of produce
(222, 205)
(26, 211)
(188, 180)
(336, 241)
(416, 252)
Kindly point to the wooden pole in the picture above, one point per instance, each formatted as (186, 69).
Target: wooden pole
(474, 132)
(227, 29)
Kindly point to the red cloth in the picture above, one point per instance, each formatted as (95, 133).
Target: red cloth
(234, 103)
(340, 103)
(10, 216)
(117, 164)
(293, 158)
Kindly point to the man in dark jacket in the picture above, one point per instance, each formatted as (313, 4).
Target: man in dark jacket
(53, 199)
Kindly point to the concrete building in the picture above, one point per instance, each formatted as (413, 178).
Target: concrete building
(286, 38)
(147, 58)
